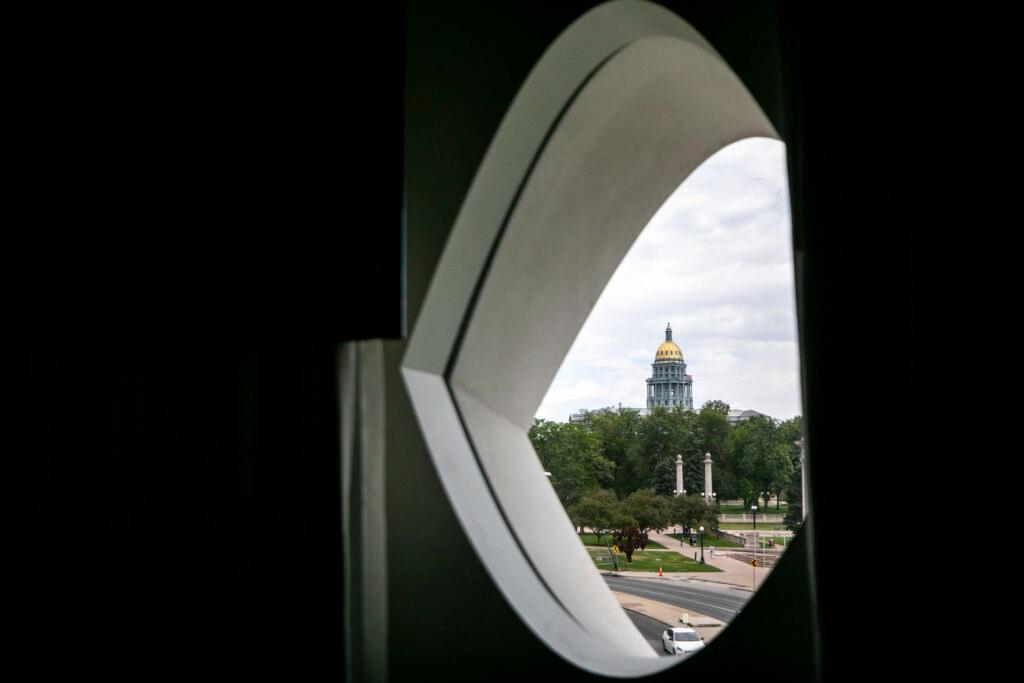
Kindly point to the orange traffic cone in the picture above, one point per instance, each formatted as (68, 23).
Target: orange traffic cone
(659, 568)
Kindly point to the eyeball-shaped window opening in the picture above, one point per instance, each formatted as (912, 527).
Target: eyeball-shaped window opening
(625, 104)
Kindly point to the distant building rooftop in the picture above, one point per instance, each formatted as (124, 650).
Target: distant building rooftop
(736, 416)
(578, 417)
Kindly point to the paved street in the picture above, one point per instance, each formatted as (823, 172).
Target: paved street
(651, 629)
(717, 601)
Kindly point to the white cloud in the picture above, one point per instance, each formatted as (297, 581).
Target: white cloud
(716, 262)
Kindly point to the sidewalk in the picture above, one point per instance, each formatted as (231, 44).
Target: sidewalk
(734, 572)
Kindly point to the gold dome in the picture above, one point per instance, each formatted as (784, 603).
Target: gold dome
(668, 351)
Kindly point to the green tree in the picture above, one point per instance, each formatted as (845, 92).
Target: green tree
(711, 435)
(573, 456)
(598, 510)
(638, 513)
(691, 511)
(618, 433)
(794, 518)
(790, 431)
(761, 460)
(665, 433)
(775, 471)
(647, 510)
(665, 477)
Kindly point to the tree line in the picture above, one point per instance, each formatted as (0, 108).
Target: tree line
(608, 467)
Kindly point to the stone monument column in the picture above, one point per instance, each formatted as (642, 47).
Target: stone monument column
(679, 475)
(708, 493)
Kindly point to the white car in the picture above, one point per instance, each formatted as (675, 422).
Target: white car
(681, 641)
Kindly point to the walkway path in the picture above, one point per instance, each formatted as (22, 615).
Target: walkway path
(733, 572)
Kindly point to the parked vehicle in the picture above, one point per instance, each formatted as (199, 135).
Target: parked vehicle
(681, 641)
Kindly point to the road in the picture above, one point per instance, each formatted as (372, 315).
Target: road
(651, 629)
(717, 601)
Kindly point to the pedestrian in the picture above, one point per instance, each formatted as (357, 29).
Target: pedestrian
(712, 551)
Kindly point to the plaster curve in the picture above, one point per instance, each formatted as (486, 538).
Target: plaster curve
(655, 103)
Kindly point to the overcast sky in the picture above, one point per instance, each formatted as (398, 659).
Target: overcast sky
(716, 262)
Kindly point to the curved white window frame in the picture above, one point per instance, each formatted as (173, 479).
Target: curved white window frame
(622, 107)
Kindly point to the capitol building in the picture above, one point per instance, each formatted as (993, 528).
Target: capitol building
(669, 385)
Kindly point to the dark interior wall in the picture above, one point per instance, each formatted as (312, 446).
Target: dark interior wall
(201, 225)
(178, 508)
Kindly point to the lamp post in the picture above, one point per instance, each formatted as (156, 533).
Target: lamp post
(702, 545)
(753, 509)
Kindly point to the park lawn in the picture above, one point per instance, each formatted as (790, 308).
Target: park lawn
(591, 539)
(648, 562)
(710, 540)
(748, 526)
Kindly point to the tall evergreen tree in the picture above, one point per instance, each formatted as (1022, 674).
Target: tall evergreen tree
(664, 480)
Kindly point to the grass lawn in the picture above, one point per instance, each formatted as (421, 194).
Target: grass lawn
(710, 540)
(591, 539)
(648, 562)
(748, 526)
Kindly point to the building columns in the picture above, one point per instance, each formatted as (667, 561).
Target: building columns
(708, 493)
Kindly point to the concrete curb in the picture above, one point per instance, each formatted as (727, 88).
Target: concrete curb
(670, 615)
(680, 576)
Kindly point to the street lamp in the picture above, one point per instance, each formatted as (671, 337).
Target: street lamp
(753, 508)
(702, 545)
